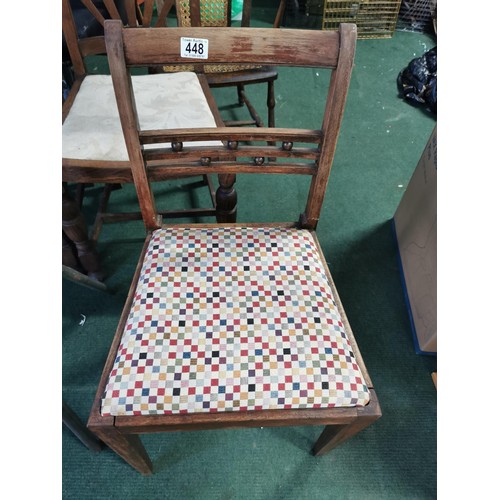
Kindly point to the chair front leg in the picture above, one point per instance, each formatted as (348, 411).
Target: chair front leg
(335, 434)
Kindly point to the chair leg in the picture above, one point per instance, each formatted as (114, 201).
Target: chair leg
(334, 435)
(75, 228)
(241, 90)
(103, 205)
(71, 420)
(271, 103)
(127, 446)
(226, 199)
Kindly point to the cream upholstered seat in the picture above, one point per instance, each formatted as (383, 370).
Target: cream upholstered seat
(228, 319)
(92, 129)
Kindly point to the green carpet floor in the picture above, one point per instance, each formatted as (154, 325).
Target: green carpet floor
(380, 144)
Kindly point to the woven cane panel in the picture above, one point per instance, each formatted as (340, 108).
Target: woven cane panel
(210, 68)
(212, 13)
(373, 18)
(230, 319)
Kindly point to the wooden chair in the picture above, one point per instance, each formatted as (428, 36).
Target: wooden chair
(232, 325)
(217, 13)
(93, 146)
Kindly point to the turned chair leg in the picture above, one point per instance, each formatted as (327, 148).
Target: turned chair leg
(226, 199)
(75, 228)
(240, 90)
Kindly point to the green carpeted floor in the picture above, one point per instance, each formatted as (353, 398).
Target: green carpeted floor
(380, 144)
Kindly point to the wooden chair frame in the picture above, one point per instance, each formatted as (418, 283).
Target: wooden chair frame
(334, 50)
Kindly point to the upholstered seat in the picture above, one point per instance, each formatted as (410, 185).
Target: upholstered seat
(92, 129)
(228, 319)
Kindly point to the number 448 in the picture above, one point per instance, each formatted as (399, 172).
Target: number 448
(194, 48)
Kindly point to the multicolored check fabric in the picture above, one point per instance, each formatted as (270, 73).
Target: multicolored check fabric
(232, 319)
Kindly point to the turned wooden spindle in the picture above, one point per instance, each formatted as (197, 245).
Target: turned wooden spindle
(226, 198)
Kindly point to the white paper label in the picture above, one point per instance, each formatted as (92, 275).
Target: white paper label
(194, 48)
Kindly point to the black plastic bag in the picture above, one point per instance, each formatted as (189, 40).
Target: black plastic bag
(417, 83)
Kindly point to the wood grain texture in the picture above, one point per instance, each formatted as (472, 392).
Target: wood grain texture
(306, 48)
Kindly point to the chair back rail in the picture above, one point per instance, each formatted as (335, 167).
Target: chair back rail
(132, 47)
(306, 48)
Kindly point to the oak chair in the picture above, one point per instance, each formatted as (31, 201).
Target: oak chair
(217, 13)
(93, 147)
(232, 325)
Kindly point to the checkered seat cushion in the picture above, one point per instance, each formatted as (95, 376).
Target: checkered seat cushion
(232, 319)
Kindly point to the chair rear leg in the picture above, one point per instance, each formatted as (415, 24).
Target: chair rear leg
(241, 91)
(226, 199)
(271, 103)
(76, 426)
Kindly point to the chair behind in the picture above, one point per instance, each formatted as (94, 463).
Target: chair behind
(112, 174)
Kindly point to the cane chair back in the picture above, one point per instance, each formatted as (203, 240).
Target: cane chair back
(232, 325)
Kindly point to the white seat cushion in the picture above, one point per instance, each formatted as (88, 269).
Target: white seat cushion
(92, 129)
(233, 319)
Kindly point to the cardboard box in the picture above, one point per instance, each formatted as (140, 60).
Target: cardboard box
(415, 225)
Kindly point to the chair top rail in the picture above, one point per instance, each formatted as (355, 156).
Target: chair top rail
(306, 48)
